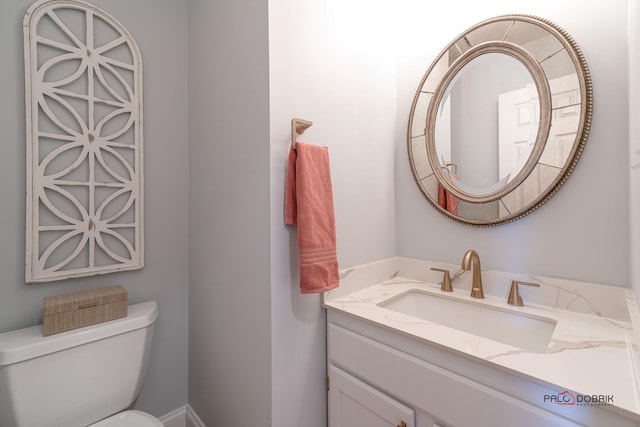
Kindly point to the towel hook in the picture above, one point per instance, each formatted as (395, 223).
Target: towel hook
(298, 126)
(455, 167)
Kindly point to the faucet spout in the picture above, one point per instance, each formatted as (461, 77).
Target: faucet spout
(470, 261)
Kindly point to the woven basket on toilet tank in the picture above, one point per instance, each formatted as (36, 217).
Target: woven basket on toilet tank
(79, 309)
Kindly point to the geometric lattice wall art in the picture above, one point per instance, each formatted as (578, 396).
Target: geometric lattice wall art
(83, 84)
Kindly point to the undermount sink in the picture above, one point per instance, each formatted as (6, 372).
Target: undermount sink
(525, 331)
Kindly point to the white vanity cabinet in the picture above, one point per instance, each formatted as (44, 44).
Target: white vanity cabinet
(379, 377)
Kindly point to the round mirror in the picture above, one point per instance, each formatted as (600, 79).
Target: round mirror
(499, 120)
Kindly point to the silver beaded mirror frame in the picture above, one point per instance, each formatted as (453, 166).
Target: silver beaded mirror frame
(445, 149)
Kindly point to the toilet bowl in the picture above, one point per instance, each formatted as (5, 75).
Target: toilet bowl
(129, 419)
(83, 377)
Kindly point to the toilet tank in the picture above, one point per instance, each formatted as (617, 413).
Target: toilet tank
(74, 378)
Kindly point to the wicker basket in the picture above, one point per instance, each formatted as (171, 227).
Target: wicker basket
(79, 309)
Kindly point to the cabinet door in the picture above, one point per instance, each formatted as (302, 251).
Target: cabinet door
(353, 403)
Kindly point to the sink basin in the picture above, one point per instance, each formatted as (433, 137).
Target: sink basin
(525, 331)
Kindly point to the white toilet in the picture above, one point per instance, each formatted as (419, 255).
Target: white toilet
(78, 378)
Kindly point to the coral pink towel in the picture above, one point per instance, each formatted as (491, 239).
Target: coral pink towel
(309, 205)
(448, 201)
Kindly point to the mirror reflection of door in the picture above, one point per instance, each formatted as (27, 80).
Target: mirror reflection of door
(518, 119)
(518, 115)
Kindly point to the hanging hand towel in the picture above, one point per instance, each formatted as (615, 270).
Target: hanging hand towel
(309, 205)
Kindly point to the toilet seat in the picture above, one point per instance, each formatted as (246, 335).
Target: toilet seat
(131, 418)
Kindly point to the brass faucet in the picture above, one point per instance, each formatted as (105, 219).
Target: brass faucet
(472, 259)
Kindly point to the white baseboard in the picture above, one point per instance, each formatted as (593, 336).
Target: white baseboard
(175, 418)
(193, 420)
(182, 417)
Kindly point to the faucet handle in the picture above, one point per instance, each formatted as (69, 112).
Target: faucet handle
(446, 280)
(514, 297)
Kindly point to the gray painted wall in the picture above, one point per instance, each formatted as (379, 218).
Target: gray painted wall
(329, 63)
(162, 38)
(229, 257)
(634, 144)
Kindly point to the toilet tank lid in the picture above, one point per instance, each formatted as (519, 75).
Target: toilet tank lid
(29, 343)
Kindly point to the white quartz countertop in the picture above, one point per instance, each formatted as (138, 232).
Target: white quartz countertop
(588, 354)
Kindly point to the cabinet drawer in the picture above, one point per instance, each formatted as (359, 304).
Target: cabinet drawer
(355, 403)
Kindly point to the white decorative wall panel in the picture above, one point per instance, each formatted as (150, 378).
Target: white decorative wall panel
(83, 84)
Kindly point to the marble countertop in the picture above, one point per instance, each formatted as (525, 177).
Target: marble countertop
(592, 350)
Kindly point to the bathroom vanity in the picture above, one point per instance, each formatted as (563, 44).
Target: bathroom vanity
(401, 352)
